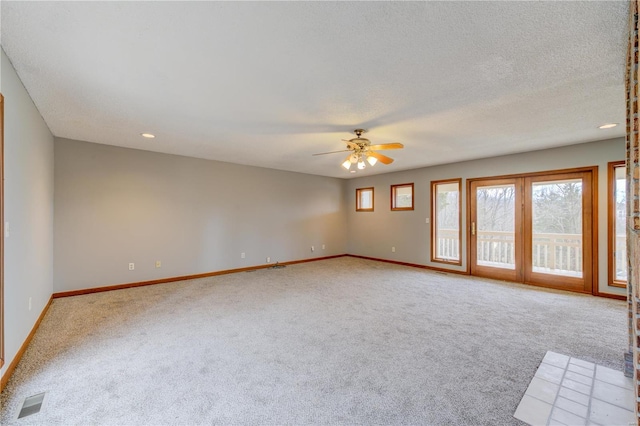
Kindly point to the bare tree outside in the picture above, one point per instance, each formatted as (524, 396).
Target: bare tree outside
(496, 208)
(557, 207)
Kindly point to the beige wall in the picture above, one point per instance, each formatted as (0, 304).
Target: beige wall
(373, 234)
(116, 205)
(28, 186)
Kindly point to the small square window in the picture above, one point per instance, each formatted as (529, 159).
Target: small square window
(364, 199)
(402, 196)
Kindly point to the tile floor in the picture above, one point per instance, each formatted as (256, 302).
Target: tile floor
(569, 391)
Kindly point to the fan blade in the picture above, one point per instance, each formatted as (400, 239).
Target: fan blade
(331, 152)
(381, 158)
(395, 145)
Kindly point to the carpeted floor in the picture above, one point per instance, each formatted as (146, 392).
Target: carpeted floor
(341, 341)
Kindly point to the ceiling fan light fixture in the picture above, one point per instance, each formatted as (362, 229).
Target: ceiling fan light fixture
(361, 152)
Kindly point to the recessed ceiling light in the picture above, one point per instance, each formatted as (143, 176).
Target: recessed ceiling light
(353, 171)
(147, 135)
(608, 126)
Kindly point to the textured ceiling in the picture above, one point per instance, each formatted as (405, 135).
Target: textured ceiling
(268, 84)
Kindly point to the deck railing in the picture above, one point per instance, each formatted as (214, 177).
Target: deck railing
(561, 253)
(621, 257)
(448, 244)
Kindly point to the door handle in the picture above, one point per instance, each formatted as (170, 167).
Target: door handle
(473, 228)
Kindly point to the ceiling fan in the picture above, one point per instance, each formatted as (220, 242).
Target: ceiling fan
(361, 150)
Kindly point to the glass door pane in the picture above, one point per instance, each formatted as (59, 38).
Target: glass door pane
(495, 226)
(556, 210)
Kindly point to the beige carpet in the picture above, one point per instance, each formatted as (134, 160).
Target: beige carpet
(341, 341)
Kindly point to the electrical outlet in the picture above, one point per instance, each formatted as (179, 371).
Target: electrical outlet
(393, 249)
(30, 303)
(242, 255)
(268, 260)
(132, 266)
(158, 264)
(313, 248)
(426, 220)
(323, 247)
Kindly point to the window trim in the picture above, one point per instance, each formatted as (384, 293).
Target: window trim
(2, 236)
(358, 191)
(611, 224)
(393, 196)
(434, 241)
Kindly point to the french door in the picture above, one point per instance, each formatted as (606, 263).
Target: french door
(535, 229)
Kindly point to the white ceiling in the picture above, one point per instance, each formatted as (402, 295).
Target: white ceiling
(268, 84)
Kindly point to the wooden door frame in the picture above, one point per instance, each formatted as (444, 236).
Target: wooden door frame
(594, 216)
(584, 285)
(487, 271)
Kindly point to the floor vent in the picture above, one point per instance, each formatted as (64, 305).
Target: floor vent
(278, 266)
(31, 405)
